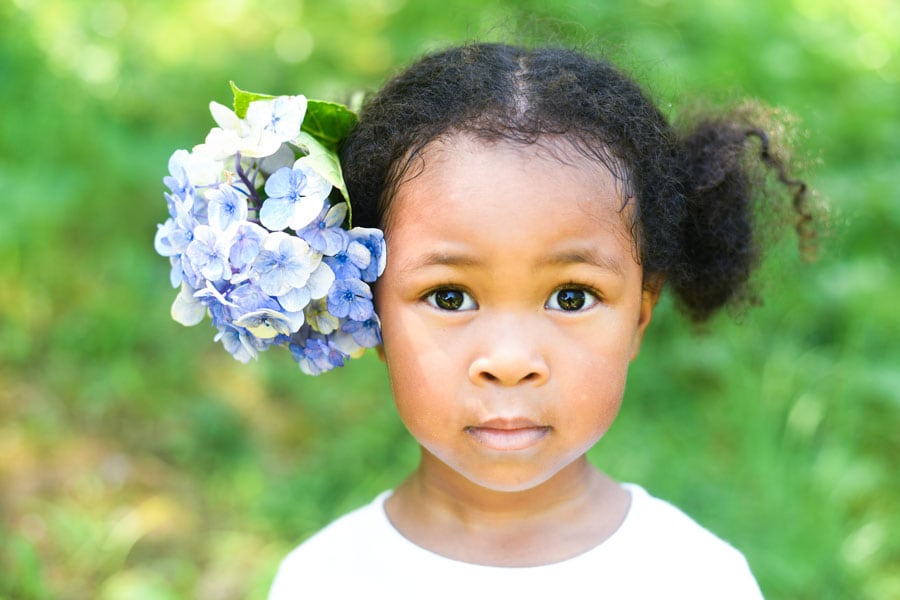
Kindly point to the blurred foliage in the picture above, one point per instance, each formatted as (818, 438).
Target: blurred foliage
(137, 460)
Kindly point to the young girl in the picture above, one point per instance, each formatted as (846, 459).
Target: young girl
(534, 205)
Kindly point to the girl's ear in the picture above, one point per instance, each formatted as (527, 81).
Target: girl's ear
(649, 297)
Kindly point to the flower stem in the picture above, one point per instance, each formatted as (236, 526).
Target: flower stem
(252, 194)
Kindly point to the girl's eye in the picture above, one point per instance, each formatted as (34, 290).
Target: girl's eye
(571, 299)
(451, 299)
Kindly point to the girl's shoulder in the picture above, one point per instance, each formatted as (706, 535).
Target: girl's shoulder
(349, 535)
(342, 553)
(658, 551)
(649, 516)
(661, 531)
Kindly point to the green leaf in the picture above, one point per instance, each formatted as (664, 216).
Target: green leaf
(242, 99)
(325, 162)
(328, 122)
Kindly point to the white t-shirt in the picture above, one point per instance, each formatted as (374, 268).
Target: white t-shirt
(657, 552)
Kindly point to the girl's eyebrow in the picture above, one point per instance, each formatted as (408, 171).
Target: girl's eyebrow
(583, 256)
(441, 259)
(563, 258)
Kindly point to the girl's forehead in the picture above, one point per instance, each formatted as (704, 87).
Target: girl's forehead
(455, 167)
(500, 212)
(497, 198)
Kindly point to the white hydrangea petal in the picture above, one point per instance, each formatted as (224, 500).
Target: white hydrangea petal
(177, 162)
(225, 117)
(186, 309)
(382, 259)
(336, 215)
(308, 257)
(276, 213)
(305, 211)
(176, 273)
(204, 170)
(320, 281)
(283, 157)
(260, 113)
(282, 115)
(259, 143)
(273, 240)
(219, 145)
(296, 299)
(296, 320)
(359, 255)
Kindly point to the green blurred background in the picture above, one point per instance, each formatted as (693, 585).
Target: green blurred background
(138, 460)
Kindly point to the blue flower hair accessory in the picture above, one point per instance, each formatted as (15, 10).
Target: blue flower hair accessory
(259, 234)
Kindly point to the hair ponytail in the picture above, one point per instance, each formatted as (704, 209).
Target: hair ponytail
(724, 181)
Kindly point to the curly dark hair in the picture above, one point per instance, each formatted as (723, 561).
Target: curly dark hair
(694, 192)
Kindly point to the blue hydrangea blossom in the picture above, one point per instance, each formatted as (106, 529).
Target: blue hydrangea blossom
(284, 263)
(227, 207)
(296, 196)
(315, 354)
(254, 242)
(245, 246)
(208, 254)
(324, 234)
(373, 240)
(349, 262)
(350, 298)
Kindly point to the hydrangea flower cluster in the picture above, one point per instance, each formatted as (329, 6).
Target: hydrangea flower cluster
(256, 242)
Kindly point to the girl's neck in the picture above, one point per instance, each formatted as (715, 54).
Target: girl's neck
(439, 485)
(574, 511)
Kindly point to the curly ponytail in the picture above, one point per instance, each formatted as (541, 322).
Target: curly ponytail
(722, 181)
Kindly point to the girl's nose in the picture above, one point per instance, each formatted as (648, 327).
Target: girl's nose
(510, 354)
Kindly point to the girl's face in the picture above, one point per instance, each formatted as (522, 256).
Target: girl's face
(511, 307)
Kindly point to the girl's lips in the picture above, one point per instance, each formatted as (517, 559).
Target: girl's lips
(508, 435)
